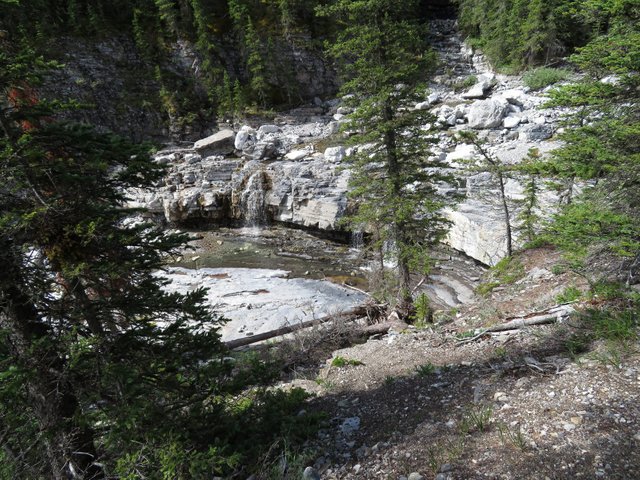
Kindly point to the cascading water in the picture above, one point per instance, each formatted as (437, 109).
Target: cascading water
(357, 239)
(252, 200)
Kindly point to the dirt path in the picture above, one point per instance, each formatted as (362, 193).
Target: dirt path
(513, 406)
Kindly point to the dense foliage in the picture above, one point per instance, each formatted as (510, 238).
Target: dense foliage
(519, 33)
(244, 48)
(102, 371)
(602, 148)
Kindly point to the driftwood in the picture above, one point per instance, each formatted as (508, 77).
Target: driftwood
(551, 315)
(347, 315)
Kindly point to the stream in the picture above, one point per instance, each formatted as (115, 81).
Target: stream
(263, 278)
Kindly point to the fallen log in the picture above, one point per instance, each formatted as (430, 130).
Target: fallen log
(551, 315)
(346, 315)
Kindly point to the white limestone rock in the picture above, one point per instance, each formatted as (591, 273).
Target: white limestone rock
(486, 113)
(221, 143)
(245, 138)
(479, 90)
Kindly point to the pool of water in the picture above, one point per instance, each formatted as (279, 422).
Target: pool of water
(301, 254)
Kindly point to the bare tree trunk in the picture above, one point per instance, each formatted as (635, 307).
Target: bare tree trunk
(507, 214)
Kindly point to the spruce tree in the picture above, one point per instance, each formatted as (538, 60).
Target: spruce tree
(94, 354)
(383, 59)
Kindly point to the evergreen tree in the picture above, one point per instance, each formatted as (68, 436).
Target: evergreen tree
(603, 147)
(96, 360)
(383, 57)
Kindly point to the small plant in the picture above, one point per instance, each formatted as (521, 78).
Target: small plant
(500, 352)
(476, 419)
(577, 344)
(467, 82)
(324, 383)
(513, 437)
(423, 314)
(559, 269)
(389, 380)
(539, 78)
(486, 288)
(506, 271)
(343, 362)
(425, 369)
(570, 294)
(465, 335)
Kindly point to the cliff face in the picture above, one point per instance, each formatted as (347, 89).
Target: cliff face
(123, 94)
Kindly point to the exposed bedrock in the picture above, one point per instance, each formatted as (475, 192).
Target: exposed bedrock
(284, 172)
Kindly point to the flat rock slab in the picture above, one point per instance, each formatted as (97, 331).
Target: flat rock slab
(260, 300)
(221, 143)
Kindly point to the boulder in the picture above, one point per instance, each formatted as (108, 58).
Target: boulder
(334, 154)
(221, 143)
(511, 122)
(479, 90)
(245, 138)
(487, 113)
(268, 129)
(537, 133)
(295, 155)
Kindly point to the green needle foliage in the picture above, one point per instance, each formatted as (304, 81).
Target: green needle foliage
(102, 371)
(382, 57)
(602, 150)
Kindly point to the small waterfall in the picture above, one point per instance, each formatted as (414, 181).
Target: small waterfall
(357, 239)
(252, 200)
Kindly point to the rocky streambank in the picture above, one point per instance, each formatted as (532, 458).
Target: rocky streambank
(292, 171)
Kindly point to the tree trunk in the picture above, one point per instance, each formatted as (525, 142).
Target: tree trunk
(507, 215)
(69, 448)
(397, 227)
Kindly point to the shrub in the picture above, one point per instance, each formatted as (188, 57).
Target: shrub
(343, 362)
(570, 294)
(539, 78)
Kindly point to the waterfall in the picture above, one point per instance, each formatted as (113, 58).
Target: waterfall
(357, 239)
(252, 200)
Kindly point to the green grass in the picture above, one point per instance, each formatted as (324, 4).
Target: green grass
(542, 77)
(569, 294)
(476, 419)
(344, 362)
(425, 369)
(505, 272)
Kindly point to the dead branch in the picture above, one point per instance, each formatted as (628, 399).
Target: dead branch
(354, 313)
(551, 315)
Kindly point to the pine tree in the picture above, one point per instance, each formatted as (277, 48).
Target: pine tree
(603, 147)
(80, 303)
(383, 58)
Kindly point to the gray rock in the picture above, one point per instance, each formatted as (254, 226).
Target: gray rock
(433, 98)
(511, 122)
(267, 129)
(334, 154)
(295, 155)
(350, 425)
(479, 90)
(245, 138)
(537, 133)
(310, 473)
(415, 476)
(486, 113)
(221, 143)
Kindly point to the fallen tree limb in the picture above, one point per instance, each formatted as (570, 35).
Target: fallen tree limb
(383, 327)
(551, 315)
(346, 315)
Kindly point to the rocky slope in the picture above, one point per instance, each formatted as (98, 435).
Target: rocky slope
(438, 404)
(281, 172)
